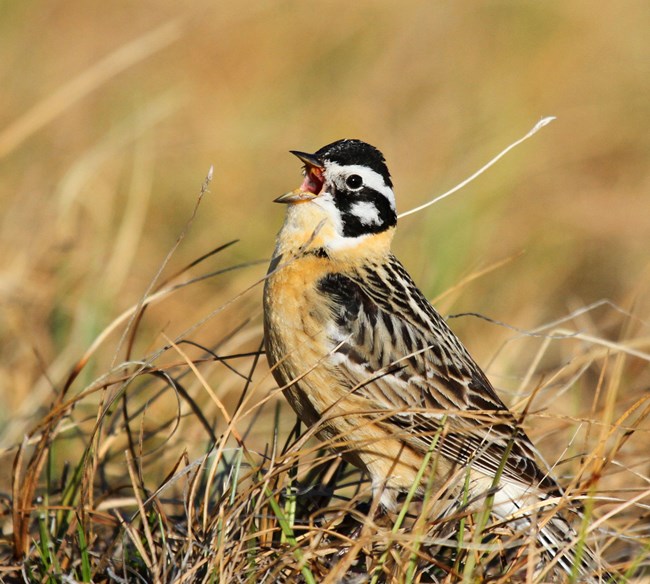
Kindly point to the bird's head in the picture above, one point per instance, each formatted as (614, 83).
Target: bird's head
(347, 194)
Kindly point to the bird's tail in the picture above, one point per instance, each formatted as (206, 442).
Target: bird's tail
(567, 549)
(564, 549)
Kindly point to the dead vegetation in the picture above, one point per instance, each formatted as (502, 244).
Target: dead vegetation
(141, 436)
(150, 470)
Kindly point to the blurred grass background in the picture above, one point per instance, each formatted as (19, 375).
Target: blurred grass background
(112, 113)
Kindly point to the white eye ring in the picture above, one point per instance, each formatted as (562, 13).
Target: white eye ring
(354, 181)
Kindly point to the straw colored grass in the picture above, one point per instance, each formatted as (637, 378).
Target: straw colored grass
(142, 437)
(175, 463)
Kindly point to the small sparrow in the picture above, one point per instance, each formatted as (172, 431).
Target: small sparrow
(362, 355)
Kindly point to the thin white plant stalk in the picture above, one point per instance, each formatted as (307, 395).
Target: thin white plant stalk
(538, 126)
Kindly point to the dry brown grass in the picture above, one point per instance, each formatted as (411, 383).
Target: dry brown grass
(110, 114)
(151, 471)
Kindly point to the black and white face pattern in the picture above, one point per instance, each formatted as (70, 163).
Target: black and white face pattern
(357, 190)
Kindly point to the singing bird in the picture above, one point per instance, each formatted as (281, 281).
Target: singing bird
(364, 357)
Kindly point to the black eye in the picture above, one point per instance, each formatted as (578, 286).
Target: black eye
(354, 181)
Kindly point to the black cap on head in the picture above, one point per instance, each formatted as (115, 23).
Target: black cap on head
(355, 152)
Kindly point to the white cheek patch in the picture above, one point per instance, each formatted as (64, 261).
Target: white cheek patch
(326, 204)
(367, 213)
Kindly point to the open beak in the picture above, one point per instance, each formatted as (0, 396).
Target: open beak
(312, 184)
(310, 160)
(296, 196)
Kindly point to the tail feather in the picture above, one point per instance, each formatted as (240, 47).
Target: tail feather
(562, 544)
(563, 547)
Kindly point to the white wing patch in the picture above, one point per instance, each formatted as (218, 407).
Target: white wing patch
(367, 213)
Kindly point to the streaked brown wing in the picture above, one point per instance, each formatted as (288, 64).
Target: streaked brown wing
(400, 354)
